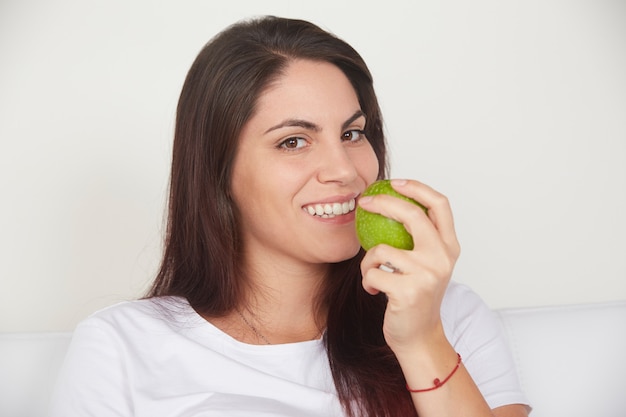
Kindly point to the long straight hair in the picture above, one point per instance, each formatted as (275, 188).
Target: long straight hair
(203, 241)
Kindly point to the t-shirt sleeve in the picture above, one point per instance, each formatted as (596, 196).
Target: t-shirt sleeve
(93, 380)
(475, 332)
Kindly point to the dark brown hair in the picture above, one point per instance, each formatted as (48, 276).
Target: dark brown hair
(203, 237)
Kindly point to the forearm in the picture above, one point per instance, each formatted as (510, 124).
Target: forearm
(457, 396)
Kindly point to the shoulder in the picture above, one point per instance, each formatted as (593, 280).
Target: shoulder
(111, 348)
(137, 318)
(121, 312)
(466, 318)
(475, 332)
(119, 333)
(171, 307)
(457, 292)
(461, 303)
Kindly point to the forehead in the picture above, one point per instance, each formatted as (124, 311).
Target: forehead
(308, 88)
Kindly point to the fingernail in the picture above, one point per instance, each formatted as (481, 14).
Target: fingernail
(399, 183)
(365, 200)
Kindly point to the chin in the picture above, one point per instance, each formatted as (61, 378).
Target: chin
(342, 254)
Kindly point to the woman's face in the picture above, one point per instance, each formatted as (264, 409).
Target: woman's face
(302, 160)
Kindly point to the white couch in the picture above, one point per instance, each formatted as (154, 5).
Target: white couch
(571, 361)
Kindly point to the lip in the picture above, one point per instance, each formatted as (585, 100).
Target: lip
(334, 199)
(335, 219)
(343, 219)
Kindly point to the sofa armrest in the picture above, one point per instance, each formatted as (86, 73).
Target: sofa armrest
(571, 360)
(29, 363)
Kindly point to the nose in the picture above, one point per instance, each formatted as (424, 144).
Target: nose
(336, 164)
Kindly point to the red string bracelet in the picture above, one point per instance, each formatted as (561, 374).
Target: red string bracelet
(437, 383)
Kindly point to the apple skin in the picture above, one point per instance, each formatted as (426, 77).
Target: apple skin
(373, 229)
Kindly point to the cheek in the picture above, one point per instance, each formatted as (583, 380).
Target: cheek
(369, 166)
(242, 184)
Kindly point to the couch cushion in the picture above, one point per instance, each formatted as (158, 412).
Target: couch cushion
(571, 359)
(28, 366)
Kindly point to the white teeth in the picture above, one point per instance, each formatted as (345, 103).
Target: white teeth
(329, 210)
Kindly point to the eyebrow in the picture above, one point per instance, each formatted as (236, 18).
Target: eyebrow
(312, 126)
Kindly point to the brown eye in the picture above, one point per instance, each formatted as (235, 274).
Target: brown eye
(353, 135)
(293, 143)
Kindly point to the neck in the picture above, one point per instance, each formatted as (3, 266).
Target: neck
(282, 301)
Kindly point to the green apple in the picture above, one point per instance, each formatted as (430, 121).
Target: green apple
(373, 228)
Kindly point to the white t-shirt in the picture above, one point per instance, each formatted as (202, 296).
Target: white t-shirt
(159, 358)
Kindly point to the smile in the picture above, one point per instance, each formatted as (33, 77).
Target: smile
(329, 210)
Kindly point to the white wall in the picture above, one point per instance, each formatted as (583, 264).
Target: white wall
(516, 110)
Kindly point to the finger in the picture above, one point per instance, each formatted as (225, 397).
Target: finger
(439, 210)
(397, 285)
(386, 258)
(376, 280)
(389, 267)
(416, 222)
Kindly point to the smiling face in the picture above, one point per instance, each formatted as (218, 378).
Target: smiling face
(301, 162)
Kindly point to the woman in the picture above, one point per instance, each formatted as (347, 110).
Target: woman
(265, 304)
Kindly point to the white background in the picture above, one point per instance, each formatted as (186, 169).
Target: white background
(514, 109)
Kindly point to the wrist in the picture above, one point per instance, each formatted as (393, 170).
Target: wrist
(422, 345)
(425, 363)
(437, 382)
